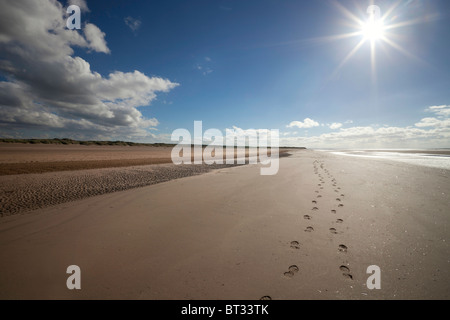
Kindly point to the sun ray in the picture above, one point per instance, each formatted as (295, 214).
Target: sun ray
(376, 30)
(348, 13)
(390, 10)
(404, 51)
(348, 57)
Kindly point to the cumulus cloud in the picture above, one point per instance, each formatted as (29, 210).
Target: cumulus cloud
(306, 124)
(335, 125)
(81, 3)
(48, 88)
(132, 23)
(429, 132)
(442, 111)
(441, 119)
(96, 38)
(369, 137)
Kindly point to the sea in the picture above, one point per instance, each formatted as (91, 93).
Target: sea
(435, 158)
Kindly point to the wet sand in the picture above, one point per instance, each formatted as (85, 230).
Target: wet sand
(309, 232)
(18, 158)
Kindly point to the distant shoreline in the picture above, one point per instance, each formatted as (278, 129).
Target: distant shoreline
(65, 141)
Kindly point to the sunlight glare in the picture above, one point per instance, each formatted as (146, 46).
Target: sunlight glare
(373, 30)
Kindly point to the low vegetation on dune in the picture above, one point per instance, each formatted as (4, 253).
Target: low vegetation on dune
(84, 143)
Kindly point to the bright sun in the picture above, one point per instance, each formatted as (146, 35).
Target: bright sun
(373, 30)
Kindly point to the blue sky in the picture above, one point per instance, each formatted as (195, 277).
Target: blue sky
(246, 64)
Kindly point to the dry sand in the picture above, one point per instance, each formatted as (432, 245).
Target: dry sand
(234, 234)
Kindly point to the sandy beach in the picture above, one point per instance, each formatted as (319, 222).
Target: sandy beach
(309, 232)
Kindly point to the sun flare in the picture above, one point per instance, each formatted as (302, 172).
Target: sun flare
(373, 30)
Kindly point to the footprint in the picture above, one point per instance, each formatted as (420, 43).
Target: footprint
(342, 194)
(315, 209)
(307, 217)
(344, 269)
(340, 205)
(314, 202)
(292, 270)
(309, 229)
(342, 248)
(333, 230)
(346, 272)
(333, 211)
(339, 221)
(295, 245)
(266, 298)
(317, 191)
(337, 199)
(319, 196)
(348, 276)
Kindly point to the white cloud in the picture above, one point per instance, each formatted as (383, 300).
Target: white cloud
(95, 38)
(335, 126)
(433, 122)
(431, 132)
(132, 23)
(306, 124)
(443, 111)
(81, 3)
(441, 120)
(49, 89)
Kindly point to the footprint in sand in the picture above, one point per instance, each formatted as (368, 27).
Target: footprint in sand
(342, 248)
(292, 271)
(348, 276)
(295, 245)
(266, 298)
(346, 272)
(307, 217)
(333, 230)
(309, 229)
(339, 221)
(342, 194)
(333, 211)
(315, 209)
(319, 196)
(337, 199)
(314, 202)
(340, 205)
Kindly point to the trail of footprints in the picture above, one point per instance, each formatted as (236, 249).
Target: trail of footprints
(325, 179)
(342, 249)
